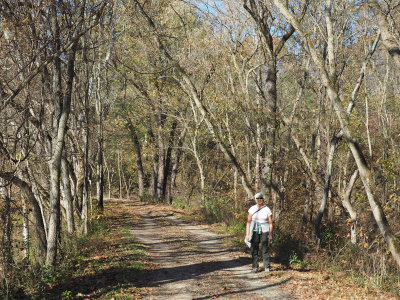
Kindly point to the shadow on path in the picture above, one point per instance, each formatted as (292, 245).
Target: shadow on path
(192, 271)
(93, 286)
(216, 296)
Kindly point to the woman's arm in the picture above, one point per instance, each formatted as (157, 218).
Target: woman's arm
(248, 227)
(270, 227)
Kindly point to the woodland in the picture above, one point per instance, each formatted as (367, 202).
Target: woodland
(199, 104)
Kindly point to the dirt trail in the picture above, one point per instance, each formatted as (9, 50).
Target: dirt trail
(190, 262)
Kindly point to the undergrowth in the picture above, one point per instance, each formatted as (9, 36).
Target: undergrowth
(77, 267)
(371, 268)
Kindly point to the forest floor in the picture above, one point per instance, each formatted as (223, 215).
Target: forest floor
(151, 253)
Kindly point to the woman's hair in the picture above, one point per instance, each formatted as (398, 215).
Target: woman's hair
(259, 195)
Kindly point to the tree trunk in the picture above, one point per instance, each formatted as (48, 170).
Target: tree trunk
(161, 157)
(101, 116)
(328, 176)
(388, 38)
(271, 97)
(367, 127)
(119, 164)
(167, 170)
(100, 150)
(60, 117)
(36, 201)
(40, 228)
(257, 172)
(25, 229)
(347, 204)
(79, 164)
(175, 165)
(109, 177)
(67, 196)
(201, 170)
(138, 156)
(83, 181)
(154, 175)
(306, 215)
(6, 228)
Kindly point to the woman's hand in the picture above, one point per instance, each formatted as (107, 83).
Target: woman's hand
(247, 238)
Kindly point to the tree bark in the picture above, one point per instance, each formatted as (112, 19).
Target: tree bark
(25, 229)
(154, 175)
(138, 157)
(36, 211)
(161, 157)
(269, 159)
(167, 170)
(347, 204)
(119, 165)
(62, 107)
(328, 175)
(388, 39)
(83, 164)
(175, 165)
(34, 198)
(67, 196)
(100, 151)
(6, 229)
(57, 145)
(79, 167)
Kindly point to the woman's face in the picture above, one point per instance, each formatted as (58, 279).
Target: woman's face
(259, 200)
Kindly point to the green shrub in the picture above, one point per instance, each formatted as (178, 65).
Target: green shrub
(218, 209)
(66, 295)
(97, 226)
(236, 227)
(327, 238)
(48, 275)
(178, 203)
(147, 198)
(295, 261)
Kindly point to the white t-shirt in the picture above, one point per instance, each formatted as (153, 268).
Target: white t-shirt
(262, 215)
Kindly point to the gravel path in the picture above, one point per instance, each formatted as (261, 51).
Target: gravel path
(191, 262)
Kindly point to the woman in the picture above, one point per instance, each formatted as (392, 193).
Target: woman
(259, 230)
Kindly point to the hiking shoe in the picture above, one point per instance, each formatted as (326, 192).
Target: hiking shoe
(266, 270)
(254, 270)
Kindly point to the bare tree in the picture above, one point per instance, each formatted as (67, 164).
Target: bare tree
(365, 173)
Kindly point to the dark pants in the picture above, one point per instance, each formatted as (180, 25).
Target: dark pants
(255, 241)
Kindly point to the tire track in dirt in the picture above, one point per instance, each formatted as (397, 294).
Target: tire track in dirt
(192, 263)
